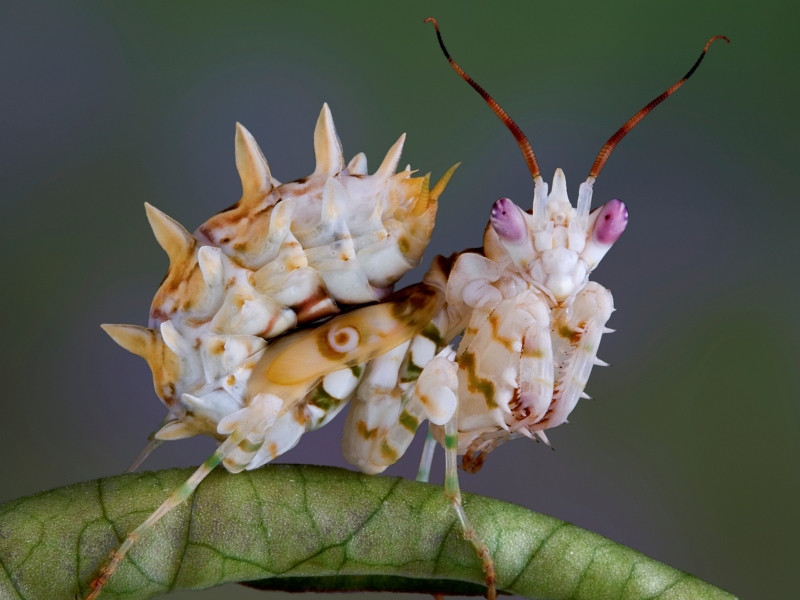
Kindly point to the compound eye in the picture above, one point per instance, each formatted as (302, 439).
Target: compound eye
(611, 222)
(507, 221)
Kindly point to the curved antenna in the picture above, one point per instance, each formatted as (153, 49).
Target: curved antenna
(523, 142)
(605, 152)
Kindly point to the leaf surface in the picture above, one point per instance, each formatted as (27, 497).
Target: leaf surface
(310, 528)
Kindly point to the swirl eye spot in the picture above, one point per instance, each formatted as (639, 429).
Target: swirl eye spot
(343, 339)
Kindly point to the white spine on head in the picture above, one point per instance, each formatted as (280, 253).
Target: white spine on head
(539, 204)
(584, 204)
(557, 245)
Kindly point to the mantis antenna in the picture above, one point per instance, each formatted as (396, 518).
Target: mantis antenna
(612, 142)
(523, 142)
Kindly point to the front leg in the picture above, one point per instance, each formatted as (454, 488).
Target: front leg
(576, 337)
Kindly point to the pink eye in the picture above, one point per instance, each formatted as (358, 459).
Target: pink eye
(611, 222)
(507, 221)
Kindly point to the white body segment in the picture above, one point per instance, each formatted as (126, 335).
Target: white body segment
(531, 324)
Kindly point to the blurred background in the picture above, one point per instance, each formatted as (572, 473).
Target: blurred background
(689, 452)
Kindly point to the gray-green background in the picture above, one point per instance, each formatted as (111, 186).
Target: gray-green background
(689, 452)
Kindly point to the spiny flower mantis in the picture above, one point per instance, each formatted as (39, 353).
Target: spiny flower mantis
(228, 360)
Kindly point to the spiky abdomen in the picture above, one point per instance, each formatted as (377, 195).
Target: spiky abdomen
(285, 254)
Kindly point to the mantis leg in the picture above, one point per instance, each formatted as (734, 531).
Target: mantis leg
(424, 472)
(576, 338)
(152, 445)
(453, 493)
(254, 420)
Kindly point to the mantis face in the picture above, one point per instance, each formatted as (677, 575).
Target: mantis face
(556, 245)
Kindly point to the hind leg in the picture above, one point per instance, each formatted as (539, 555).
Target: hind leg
(259, 416)
(151, 446)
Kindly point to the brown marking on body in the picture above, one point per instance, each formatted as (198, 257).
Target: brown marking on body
(305, 186)
(182, 284)
(198, 322)
(272, 448)
(532, 353)
(364, 432)
(388, 452)
(494, 323)
(230, 380)
(266, 331)
(300, 415)
(408, 302)
(158, 315)
(317, 305)
(265, 208)
(403, 245)
(238, 262)
(207, 232)
(241, 224)
(566, 332)
(475, 384)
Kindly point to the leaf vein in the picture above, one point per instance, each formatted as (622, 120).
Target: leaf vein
(443, 543)
(585, 571)
(536, 552)
(259, 501)
(11, 579)
(681, 577)
(629, 577)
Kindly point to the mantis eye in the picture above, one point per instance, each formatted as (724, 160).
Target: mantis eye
(507, 221)
(611, 222)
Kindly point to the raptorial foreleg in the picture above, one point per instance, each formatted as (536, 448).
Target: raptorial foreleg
(576, 338)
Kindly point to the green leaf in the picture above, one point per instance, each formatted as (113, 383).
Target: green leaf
(309, 528)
